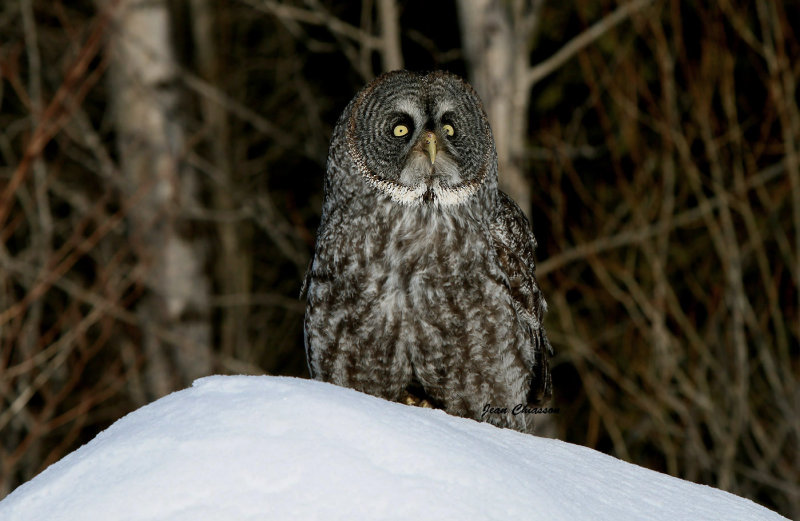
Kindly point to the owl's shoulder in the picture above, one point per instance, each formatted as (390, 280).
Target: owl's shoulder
(513, 247)
(511, 232)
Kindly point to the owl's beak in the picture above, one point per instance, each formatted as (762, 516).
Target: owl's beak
(430, 145)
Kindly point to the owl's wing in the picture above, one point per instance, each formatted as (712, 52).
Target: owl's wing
(514, 245)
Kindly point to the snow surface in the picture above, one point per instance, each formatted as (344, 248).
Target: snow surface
(249, 447)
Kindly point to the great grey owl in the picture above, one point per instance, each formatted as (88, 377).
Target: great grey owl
(422, 284)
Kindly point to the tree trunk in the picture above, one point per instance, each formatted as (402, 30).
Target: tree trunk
(497, 46)
(150, 139)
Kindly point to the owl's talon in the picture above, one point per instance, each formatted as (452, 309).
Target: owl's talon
(416, 401)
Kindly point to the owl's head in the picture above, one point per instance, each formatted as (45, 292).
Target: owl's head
(421, 139)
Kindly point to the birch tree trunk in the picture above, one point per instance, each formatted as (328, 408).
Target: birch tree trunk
(150, 139)
(497, 40)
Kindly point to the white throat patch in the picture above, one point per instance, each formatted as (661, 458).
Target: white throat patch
(436, 195)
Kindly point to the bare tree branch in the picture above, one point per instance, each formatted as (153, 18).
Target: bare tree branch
(54, 116)
(628, 237)
(316, 17)
(574, 46)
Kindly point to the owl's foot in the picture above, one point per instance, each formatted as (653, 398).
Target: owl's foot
(410, 399)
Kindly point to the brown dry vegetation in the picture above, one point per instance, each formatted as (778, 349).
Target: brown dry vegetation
(661, 157)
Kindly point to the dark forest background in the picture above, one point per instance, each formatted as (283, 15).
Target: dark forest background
(161, 168)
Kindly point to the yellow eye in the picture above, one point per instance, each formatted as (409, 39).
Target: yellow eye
(448, 129)
(400, 130)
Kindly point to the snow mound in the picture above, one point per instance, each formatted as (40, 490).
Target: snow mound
(246, 448)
